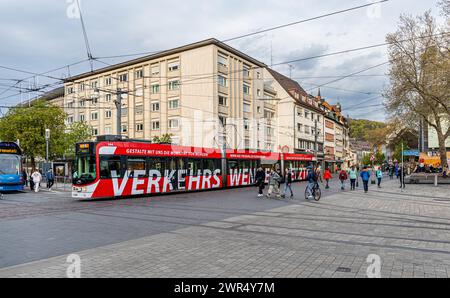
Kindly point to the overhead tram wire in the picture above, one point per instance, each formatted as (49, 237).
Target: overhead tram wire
(281, 63)
(263, 31)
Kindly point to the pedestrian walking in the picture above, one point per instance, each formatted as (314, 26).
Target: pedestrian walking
(343, 176)
(288, 183)
(318, 173)
(353, 174)
(312, 179)
(24, 177)
(50, 179)
(379, 176)
(365, 176)
(260, 181)
(37, 178)
(327, 177)
(391, 172)
(274, 180)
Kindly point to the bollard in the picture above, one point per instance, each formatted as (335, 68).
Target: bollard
(436, 180)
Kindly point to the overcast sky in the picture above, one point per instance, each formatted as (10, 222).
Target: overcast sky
(38, 36)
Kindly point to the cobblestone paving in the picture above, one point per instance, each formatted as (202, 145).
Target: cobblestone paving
(409, 230)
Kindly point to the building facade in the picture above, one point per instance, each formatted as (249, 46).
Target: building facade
(207, 94)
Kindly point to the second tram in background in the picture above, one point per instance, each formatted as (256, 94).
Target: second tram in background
(116, 168)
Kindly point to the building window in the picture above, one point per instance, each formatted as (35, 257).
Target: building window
(155, 88)
(82, 103)
(306, 114)
(246, 124)
(247, 144)
(222, 120)
(70, 90)
(108, 114)
(174, 85)
(70, 105)
(258, 109)
(139, 92)
(94, 116)
(155, 69)
(155, 125)
(222, 101)
(94, 84)
(222, 81)
(246, 71)
(108, 130)
(108, 97)
(155, 106)
(174, 66)
(174, 104)
(82, 118)
(70, 120)
(95, 131)
(307, 130)
(299, 127)
(108, 81)
(247, 108)
(246, 89)
(139, 127)
(258, 75)
(139, 110)
(174, 123)
(123, 77)
(82, 87)
(259, 92)
(139, 74)
(124, 128)
(222, 60)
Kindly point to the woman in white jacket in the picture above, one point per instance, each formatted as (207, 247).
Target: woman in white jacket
(37, 178)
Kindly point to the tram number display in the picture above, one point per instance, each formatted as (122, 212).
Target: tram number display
(83, 148)
(9, 151)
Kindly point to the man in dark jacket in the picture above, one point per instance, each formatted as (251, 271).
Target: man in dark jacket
(260, 181)
(288, 183)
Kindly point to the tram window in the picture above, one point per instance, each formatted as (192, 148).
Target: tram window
(110, 167)
(212, 164)
(193, 166)
(158, 165)
(135, 164)
(233, 165)
(172, 164)
(244, 164)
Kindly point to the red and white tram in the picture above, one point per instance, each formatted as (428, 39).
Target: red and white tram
(114, 169)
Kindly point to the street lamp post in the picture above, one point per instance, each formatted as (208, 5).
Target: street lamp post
(47, 139)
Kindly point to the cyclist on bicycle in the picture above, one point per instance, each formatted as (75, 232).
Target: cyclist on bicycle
(312, 181)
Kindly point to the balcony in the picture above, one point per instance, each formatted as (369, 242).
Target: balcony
(222, 68)
(269, 89)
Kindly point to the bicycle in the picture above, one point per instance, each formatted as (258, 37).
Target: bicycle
(316, 192)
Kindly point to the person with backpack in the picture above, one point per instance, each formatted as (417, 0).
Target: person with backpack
(260, 181)
(343, 177)
(379, 175)
(353, 174)
(327, 177)
(274, 180)
(365, 176)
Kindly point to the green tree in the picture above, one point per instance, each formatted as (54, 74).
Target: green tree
(398, 150)
(164, 139)
(28, 125)
(420, 68)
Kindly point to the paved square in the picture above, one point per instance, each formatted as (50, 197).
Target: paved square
(232, 234)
